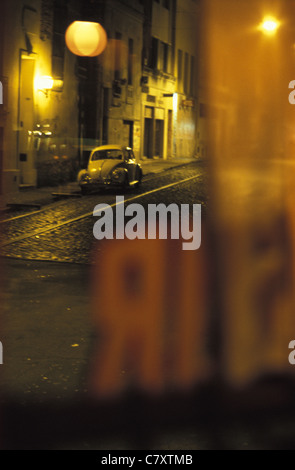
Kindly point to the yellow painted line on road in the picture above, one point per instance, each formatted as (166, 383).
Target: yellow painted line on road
(53, 206)
(88, 214)
(21, 216)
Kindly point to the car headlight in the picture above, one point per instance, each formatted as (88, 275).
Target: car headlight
(118, 175)
(84, 177)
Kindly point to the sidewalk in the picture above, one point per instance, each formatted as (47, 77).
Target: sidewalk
(35, 198)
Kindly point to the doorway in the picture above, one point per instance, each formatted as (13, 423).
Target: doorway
(28, 174)
(159, 130)
(128, 133)
(148, 137)
(169, 133)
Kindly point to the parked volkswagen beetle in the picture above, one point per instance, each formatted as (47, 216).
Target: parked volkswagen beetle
(110, 166)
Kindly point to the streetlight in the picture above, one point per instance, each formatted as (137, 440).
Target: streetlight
(86, 38)
(269, 25)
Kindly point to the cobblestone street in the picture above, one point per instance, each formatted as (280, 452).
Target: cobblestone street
(63, 230)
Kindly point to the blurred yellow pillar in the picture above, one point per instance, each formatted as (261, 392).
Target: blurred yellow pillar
(251, 135)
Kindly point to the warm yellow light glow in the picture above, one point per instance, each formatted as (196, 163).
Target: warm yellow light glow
(44, 82)
(175, 102)
(86, 38)
(269, 25)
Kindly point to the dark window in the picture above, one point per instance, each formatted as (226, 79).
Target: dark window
(166, 4)
(165, 57)
(58, 38)
(186, 75)
(112, 154)
(192, 76)
(118, 39)
(153, 56)
(179, 66)
(130, 61)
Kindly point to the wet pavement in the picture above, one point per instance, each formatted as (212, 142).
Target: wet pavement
(48, 339)
(47, 333)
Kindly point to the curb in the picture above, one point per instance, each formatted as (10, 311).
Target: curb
(168, 168)
(37, 202)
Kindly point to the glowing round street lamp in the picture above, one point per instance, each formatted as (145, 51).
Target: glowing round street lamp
(86, 38)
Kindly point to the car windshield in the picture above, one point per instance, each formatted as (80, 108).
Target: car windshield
(110, 154)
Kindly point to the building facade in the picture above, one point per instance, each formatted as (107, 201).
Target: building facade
(121, 73)
(142, 91)
(187, 129)
(150, 77)
(158, 80)
(40, 113)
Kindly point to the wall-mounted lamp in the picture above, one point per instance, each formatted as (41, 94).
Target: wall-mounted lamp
(44, 83)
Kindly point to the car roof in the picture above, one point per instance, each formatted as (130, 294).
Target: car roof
(109, 147)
